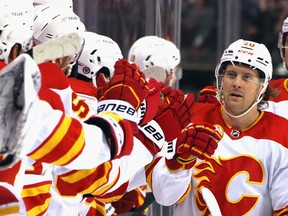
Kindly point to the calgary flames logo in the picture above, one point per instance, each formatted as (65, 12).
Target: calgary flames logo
(221, 174)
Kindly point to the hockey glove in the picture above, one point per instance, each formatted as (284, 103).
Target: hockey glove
(125, 92)
(149, 106)
(208, 95)
(195, 141)
(174, 112)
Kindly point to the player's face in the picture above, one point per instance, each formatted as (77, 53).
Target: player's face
(241, 87)
(286, 47)
(65, 64)
(170, 79)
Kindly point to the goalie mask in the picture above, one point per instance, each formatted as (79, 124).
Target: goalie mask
(99, 53)
(150, 51)
(249, 53)
(281, 42)
(16, 26)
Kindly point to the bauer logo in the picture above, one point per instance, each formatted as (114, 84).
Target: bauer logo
(153, 132)
(114, 107)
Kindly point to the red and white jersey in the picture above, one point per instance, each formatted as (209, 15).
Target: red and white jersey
(279, 104)
(10, 201)
(85, 92)
(281, 86)
(77, 97)
(247, 173)
(108, 181)
(64, 141)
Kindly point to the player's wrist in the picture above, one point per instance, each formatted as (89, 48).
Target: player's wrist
(119, 107)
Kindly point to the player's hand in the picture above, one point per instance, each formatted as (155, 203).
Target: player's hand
(150, 104)
(208, 95)
(195, 141)
(174, 112)
(127, 84)
(125, 92)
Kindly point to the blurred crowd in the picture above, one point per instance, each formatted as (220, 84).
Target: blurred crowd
(260, 20)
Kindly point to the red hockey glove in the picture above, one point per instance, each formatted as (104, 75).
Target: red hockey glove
(174, 112)
(149, 106)
(128, 83)
(208, 95)
(125, 92)
(195, 141)
(129, 202)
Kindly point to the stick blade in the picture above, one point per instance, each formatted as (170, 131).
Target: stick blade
(211, 202)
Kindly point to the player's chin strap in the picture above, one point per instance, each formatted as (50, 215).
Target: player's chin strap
(244, 113)
(260, 97)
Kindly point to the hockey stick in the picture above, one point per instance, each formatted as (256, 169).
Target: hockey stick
(66, 45)
(211, 202)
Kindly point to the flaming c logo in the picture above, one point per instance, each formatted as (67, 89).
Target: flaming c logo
(218, 174)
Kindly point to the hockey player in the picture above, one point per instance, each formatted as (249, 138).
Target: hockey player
(174, 100)
(16, 29)
(52, 21)
(75, 145)
(58, 152)
(99, 55)
(157, 57)
(278, 87)
(246, 172)
(278, 103)
(48, 20)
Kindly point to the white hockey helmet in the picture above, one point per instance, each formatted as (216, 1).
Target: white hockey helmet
(98, 51)
(65, 3)
(253, 54)
(16, 26)
(281, 42)
(52, 20)
(151, 50)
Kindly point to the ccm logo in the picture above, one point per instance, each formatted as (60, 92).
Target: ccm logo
(246, 52)
(117, 107)
(153, 132)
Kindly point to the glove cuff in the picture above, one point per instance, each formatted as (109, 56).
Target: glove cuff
(118, 132)
(176, 164)
(170, 149)
(119, 107)
(173, 161)
(154, 133)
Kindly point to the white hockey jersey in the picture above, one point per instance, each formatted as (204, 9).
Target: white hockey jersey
(247, 173)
